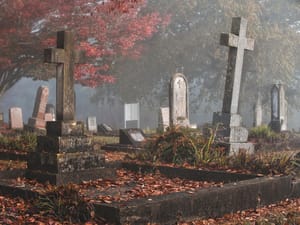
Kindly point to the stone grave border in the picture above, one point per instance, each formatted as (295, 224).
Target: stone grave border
(233, 196)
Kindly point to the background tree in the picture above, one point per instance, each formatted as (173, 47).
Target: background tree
(191, 41)
(106, 30)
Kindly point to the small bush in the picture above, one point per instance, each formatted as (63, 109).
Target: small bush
(66, 204)
(262, 132)
(21, 142)
(181, 145)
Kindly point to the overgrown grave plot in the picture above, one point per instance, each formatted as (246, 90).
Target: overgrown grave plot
(233, 196)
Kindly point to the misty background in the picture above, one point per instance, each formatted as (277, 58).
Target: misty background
(190, 44)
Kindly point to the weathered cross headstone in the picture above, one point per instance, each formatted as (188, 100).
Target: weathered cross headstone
(66, 154)
(163, 118)
(92, 124)
(229, 117)
(15, 118)
(37, 121)
(258, 113)
(179, 101)
(278, 108)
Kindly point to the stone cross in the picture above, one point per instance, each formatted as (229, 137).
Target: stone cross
(238, 43)
(65, 57)
(179, 101)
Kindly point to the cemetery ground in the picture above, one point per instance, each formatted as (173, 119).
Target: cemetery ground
(73, 204)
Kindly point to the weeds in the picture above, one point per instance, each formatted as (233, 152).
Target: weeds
(65, 203)
(22, 142)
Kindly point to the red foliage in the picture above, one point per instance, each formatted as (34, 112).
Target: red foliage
(105, 30)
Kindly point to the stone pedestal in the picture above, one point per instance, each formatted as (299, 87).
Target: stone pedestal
(67, 157)
(231, 131)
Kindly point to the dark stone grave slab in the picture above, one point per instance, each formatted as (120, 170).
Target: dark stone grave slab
(130, 140)
(133, 136)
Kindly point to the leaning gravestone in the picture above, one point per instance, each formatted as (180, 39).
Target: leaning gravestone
(65, 154)
(163, 119)
(278, 108)
(179, 101)
(229, 117)
(15, 118)
(37, 121)
(134, 137)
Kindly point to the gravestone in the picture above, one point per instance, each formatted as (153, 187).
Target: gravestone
(50, 113)
(229, 117)
(92, 124)
(65, 154)
(133, 136)
(179, 101)
(257, 113)
(37, 121)
(278, 108)
(15, 118)
(132, 115)
(163, 118)
(1, 119)
(105, 129)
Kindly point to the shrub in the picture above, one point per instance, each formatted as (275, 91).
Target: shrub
(182, 145)
(65, 203)
(262, 132)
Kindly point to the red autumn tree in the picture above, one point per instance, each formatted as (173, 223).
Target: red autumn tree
(105, 29)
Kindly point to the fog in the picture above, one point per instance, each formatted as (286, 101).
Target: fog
(190, 44)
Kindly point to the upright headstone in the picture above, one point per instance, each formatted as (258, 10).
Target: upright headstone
(65, 154)
(132, 115)
(1, 119)
(37, 121)
(229, 117)
(179, 101)
(278, 108)
(92, 124)
(15, 118)
(163, 118)
(257, 113)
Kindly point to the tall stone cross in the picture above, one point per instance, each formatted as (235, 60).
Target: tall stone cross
(238, 43)
(65, 57)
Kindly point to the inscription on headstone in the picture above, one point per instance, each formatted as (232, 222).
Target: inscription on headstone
(179, 101)
(15, 118)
